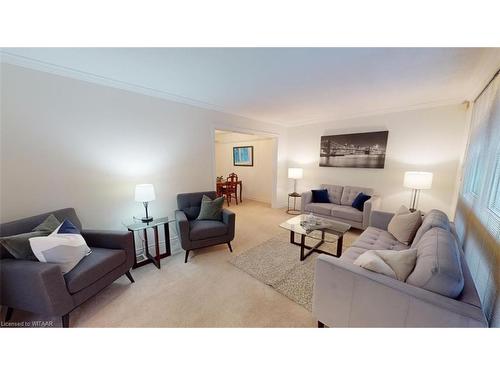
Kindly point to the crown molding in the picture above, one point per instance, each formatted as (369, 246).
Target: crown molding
(486, 69)
(379, 112)
(34, 64)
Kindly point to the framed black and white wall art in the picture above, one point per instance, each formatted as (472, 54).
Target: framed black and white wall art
(358, 150)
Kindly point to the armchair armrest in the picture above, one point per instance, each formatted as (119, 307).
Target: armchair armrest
(349, 295)
(182, 225)
(305, 200)
(380, 219)
(229, 218)
(34, 286)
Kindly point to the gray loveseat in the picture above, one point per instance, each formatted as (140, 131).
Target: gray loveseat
(346, 295)
(195, 234)
(340, 209)
(41, 288)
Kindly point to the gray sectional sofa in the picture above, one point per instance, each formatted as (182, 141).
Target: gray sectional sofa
(340, 209)
(440, 291)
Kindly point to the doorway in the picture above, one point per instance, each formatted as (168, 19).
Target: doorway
(253, 159)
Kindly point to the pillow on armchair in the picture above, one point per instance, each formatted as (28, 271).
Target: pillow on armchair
(211, 209)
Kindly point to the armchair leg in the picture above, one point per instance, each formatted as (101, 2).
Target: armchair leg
(129, 276)
(65, 320)
(8, 314)
(230, 248)
(186, 257)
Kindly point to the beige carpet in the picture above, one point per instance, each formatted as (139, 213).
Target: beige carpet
(276, 263)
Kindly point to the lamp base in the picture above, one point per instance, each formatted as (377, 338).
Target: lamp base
(147, 219)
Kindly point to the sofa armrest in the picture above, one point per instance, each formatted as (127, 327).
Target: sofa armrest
(367, 210)
(34, 286)
(229, 218)
(182, 225)
(113, 240)
(109, 239)
(380, 219)
(306, 198)
(348, 295)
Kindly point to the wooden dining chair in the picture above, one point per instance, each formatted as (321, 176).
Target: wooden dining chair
(231, 188)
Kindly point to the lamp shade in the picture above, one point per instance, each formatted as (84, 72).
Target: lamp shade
(295, 173)
(418, 180)
(144, 193)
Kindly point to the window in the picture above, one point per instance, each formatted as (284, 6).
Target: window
(481, 184)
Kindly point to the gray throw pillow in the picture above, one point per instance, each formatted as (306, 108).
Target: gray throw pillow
(19, 245)
(50, 224)
(211, 209)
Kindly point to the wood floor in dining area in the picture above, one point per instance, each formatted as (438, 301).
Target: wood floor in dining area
(206, 292)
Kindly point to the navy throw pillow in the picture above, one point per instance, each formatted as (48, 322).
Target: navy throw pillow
(359, 201)
(68, 227)
(320, 196)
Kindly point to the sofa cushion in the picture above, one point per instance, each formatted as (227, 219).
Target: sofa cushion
(50, 224)
(438, 268)
(353, 253)
(211, 209)
(351, 192)
(64, 249)
(347, 213)
(433, 219)
(334, 192)
(397, 264)
(320, 196)
(404, 224)
(202, 229)
(359, 201)
(94, 266)
(18, 245)
(320, 208)
(377, 239)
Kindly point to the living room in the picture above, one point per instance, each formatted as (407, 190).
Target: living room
(179, 185)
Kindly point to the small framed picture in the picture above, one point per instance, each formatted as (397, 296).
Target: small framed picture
(243, 156)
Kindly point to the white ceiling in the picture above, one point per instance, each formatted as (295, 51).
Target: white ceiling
(286, 86)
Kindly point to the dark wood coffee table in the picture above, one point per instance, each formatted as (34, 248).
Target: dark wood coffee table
(324, 230)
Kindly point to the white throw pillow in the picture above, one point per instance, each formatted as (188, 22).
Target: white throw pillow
(64, 247)
(404, 225)
(397, 264)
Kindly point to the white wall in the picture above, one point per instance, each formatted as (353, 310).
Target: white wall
(257, 180)
(70, 143)
(427, 139)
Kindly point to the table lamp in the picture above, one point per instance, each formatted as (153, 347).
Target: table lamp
(417, 181)
(145, 193)
(295, 174)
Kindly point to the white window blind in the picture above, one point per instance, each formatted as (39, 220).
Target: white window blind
(481, 183)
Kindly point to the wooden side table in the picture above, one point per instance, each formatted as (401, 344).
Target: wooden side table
(135, 227)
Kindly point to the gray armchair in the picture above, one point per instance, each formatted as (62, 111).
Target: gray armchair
(41, 288)
(195, 234)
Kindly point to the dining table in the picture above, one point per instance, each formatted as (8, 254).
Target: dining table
(221, 184)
